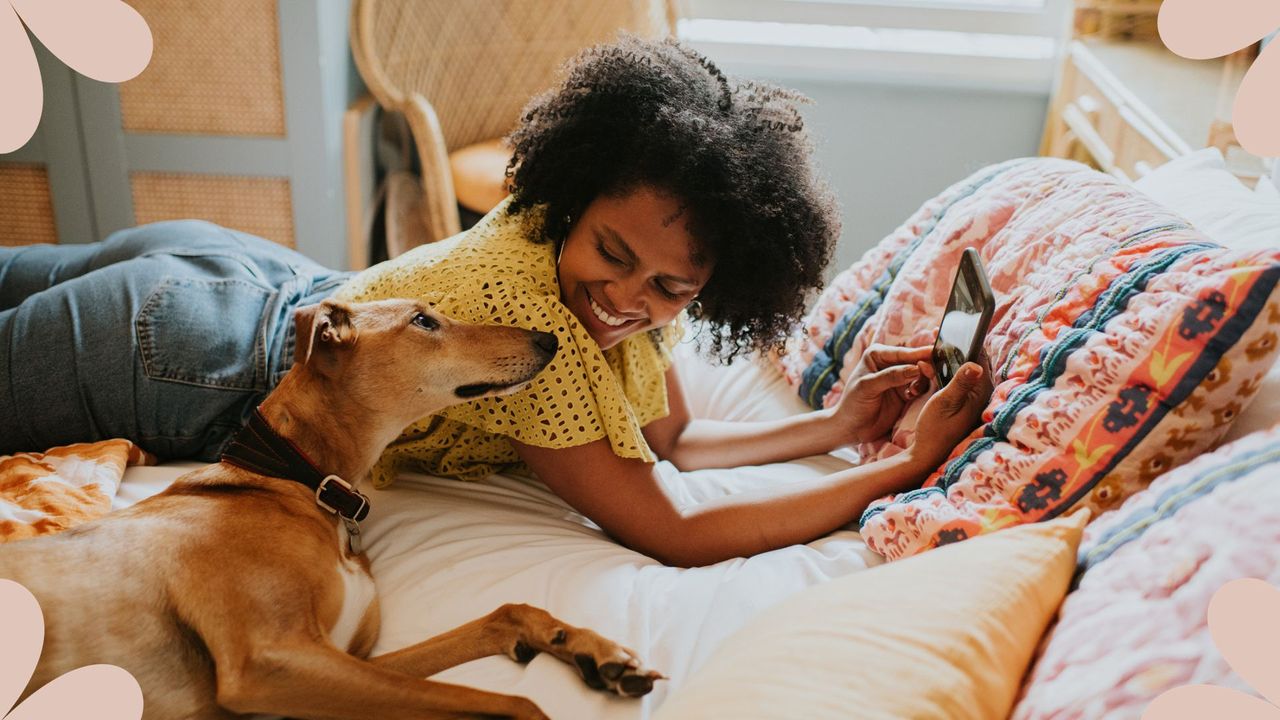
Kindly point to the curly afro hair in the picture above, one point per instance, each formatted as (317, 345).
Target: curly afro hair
(734, 153)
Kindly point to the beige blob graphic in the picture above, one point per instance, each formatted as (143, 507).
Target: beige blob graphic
(105, 692)
(1244, 620)
(105, 40)
(1202, 29)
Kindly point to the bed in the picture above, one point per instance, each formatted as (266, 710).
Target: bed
(444, 552)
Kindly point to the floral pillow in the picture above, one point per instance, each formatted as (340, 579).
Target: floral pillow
(1124, 343)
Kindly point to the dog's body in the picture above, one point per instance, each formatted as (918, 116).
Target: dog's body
(145, 588)
(232, 592)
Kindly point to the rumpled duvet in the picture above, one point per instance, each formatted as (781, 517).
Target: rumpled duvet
(44, 493)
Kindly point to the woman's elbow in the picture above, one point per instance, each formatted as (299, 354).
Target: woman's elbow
(676, 458)
(678, 558)
(674, 544)
(686, 458)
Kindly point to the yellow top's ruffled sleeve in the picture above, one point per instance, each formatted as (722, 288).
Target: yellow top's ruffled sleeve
(494, 274)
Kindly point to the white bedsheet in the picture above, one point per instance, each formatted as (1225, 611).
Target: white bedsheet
(445, 552)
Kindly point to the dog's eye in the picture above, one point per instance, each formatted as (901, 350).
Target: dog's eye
(425, 322)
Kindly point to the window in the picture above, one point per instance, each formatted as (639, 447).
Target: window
(1006, 43)
(1045, 18)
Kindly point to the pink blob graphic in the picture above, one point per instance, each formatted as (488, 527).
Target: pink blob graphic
(1201, 29)
(22, 626)
(1205, 702)
(103, 692)
(20, 92)
(1244, 620)
(102, 39)
(1256, 111)
(105, 40)
(98, 691)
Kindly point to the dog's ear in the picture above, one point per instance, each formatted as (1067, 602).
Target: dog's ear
(304, 319)
(327, 323)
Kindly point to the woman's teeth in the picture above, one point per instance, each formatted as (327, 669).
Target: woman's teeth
(604, 317)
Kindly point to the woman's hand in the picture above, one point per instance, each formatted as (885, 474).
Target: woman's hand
(951, 414)
(885, 380)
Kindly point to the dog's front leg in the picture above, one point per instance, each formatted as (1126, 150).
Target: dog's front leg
(521, 632)
(315, 680)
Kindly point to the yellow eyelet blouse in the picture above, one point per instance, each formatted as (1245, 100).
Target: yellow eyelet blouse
(494, 273)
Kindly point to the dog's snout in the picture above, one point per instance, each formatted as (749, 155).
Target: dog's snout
(546, 342)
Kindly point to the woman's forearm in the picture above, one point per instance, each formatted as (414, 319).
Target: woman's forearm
(721, 443)
(627, 499)
(746, 524)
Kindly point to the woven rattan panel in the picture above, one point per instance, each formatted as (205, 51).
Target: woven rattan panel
(479, 62)
(256, 205)
(215, 70)
(26, 208)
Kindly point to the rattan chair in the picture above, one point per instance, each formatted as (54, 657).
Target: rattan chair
(461, 72)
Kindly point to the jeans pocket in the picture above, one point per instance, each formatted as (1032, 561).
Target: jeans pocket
(205, 332)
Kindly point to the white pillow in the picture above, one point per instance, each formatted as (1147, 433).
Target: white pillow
(1267, 192)
(1199, 187)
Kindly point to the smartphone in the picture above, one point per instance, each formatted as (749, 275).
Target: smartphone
(965, 323)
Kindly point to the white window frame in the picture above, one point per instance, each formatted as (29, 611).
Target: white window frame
(975, 17)
(783, 60)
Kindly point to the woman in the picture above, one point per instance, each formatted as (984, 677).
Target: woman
(646, 186)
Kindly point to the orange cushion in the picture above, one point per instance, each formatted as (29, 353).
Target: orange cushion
(479, 180)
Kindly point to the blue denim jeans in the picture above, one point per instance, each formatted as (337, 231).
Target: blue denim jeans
(166, 334)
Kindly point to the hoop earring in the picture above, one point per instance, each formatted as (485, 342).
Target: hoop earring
(560, 253)
(694, 307)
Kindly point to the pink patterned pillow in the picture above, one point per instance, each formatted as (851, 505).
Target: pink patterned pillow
(1123, 344)
(1137, 623)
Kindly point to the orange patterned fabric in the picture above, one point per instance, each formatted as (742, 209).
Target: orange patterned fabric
(1124, 343)
(44, 493)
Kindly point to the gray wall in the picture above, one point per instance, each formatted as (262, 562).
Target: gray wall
(886, 149)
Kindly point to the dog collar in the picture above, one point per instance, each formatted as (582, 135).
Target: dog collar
(259, 449)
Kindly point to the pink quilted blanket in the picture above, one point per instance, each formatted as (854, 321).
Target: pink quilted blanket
(1138, 623)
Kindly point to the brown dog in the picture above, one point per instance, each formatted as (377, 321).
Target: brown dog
(236, 591)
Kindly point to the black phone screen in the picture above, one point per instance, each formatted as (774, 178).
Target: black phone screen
(964, 325)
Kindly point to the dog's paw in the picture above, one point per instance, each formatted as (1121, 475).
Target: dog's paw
(602, 663)
(522, 652)
(621, 674)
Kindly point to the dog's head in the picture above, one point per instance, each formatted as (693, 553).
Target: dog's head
(403, 356)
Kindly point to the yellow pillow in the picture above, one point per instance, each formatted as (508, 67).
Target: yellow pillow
(945, 634)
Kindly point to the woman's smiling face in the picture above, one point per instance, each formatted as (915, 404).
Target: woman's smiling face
(629, 264)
